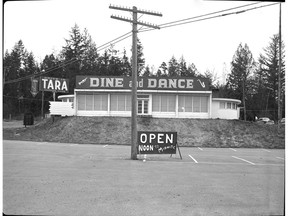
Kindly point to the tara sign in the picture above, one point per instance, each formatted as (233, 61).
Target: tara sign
(54, 84)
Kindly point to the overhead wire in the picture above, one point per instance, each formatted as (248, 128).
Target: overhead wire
(42, 73)
(129, 34)
(192, 19)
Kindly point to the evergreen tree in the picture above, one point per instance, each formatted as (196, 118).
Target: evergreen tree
(140, 57)
(147, 72)
(268, 74)
(79, 54)
(242, 66)
(182, 67)
(127, 67)
(163, 70)
(17, 64)
(192, 71)
(173, 68)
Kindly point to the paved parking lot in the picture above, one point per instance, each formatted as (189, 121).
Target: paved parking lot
(71, 179)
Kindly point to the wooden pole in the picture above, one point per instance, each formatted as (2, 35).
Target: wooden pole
(134, 88)
(279, 72)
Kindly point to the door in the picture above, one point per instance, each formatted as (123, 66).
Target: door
(143, 104)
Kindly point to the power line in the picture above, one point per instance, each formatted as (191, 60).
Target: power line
(192, 19)
(24, 98)
(209, 14)
(42, 73)
(109, 43)
(129, 34)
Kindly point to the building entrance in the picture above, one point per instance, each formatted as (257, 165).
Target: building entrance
(143, 104)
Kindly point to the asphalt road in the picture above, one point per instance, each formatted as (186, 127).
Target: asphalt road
(70, 179)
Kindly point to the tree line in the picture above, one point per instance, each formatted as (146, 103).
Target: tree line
(253, 82)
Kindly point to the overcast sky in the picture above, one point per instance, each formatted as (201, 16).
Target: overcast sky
(209, 44)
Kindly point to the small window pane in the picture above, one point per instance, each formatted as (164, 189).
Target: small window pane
(229, 106)
(145, 106)
(164, 99)
(222, 105)
(81, 102)
(156, 103)
(196, 104)
(171, 103)
(188, 104)
(204, 104)
(121, 102)
(143, 96)
(89, 102)
(181, 103)
(128, 102)
(113, 102)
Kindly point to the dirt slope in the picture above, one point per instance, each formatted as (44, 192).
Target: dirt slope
(117, 130)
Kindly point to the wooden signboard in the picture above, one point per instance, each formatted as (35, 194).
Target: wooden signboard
(157, 142)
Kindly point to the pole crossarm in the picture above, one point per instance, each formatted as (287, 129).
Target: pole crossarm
(138, 22)
(137, 10)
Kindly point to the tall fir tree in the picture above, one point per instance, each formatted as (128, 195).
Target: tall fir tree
(173, 68)
(79, 54)
(242, 67)
(19, 63)
(268, 74)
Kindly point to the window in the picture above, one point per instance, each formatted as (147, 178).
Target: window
(222, 105)
(192, 103)
(163, 103)
(81, 102)
(229, 106)
(196, 104)
(156, 101)
(89, 102)
(101, 102)
(92, 102)
(204, 104)
(120, 102)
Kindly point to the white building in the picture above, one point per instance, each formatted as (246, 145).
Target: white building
(156, 97)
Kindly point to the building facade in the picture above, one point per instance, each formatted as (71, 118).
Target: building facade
(156, 97)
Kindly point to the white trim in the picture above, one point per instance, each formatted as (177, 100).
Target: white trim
(108, 104)
(65, 96)
(75, 104)
(226, 100)
(210, 106)
(176, 106)
(141, 90)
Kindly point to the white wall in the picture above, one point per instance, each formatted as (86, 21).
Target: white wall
(223, 113)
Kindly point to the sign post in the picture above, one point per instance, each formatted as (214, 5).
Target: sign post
(157, 143)
(34, 87)
(53, 85)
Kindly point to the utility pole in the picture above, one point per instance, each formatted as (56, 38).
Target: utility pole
(135, 22)
(279, 72)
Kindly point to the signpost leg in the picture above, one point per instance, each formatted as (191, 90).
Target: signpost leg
(42, 106)
(179, 151)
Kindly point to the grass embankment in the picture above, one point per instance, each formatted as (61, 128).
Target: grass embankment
(117, 130)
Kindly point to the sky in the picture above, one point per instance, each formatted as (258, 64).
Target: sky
(210, 44)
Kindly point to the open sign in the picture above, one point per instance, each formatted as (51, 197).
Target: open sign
(157, 142)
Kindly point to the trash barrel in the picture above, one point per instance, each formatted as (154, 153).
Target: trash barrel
(28, 119)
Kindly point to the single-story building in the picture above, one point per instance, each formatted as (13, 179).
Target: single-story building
(164, 97)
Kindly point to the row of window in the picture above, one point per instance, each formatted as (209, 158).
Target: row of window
(228, 105)
(160, 102)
